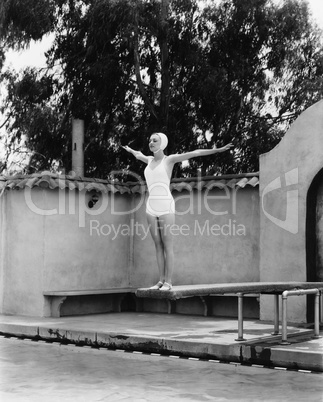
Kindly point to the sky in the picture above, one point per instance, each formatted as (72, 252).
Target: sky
(34, 56)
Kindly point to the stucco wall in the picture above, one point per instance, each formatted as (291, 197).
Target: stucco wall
(22, 256)
(216, 240)
(48, 245)
(52, 241)
(286, 173)
(75, 257)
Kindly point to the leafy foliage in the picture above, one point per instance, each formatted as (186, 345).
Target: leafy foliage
(239, 70)
(22, 21)
(34, 121)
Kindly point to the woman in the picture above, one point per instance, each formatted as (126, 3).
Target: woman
(160, 207)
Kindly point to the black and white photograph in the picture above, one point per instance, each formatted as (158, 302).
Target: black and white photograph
(161, 200)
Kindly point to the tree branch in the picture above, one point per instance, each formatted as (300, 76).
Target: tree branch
(6, 121)
(140, 84)
(146, 85)
(165, 77)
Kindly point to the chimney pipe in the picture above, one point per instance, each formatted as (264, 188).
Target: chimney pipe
(78, 147)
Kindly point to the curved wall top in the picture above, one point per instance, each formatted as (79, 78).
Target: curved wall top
(286, 173)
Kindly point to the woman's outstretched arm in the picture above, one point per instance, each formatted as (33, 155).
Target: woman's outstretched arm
(137, 154)
(198, 152)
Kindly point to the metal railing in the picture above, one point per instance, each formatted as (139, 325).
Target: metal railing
(300, 292)
(285, 295)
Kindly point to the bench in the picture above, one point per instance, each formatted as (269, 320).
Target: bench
(57, 298)
(240, 290)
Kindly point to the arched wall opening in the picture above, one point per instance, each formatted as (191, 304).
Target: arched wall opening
(314, 237)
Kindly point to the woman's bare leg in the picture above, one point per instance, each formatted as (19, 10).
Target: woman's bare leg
(166, 223)
(156, 235)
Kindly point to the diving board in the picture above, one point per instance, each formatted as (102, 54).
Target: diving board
(238, 289)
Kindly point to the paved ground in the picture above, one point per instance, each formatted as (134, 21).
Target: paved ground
(47, 372)
(184, 335)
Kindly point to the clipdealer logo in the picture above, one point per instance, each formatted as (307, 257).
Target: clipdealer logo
(196, 228)
(290, 223)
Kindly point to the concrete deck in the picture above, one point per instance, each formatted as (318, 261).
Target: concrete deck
(209, 338)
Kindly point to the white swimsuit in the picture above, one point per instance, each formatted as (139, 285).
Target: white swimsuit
(160, 201)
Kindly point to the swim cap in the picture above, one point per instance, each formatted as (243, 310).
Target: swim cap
(163, 141)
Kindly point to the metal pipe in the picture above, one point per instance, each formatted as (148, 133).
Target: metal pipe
(240, 317)
(321, 318)
(276, 315)
(317, 315)
(284, 318)
(299, 292)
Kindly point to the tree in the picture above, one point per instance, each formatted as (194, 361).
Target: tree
(262, 62)
(35, 122)
(239, 71)
(21, 21)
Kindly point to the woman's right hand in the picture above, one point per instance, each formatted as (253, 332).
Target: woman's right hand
(136, 154)
(130, 150)
(126, 147)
